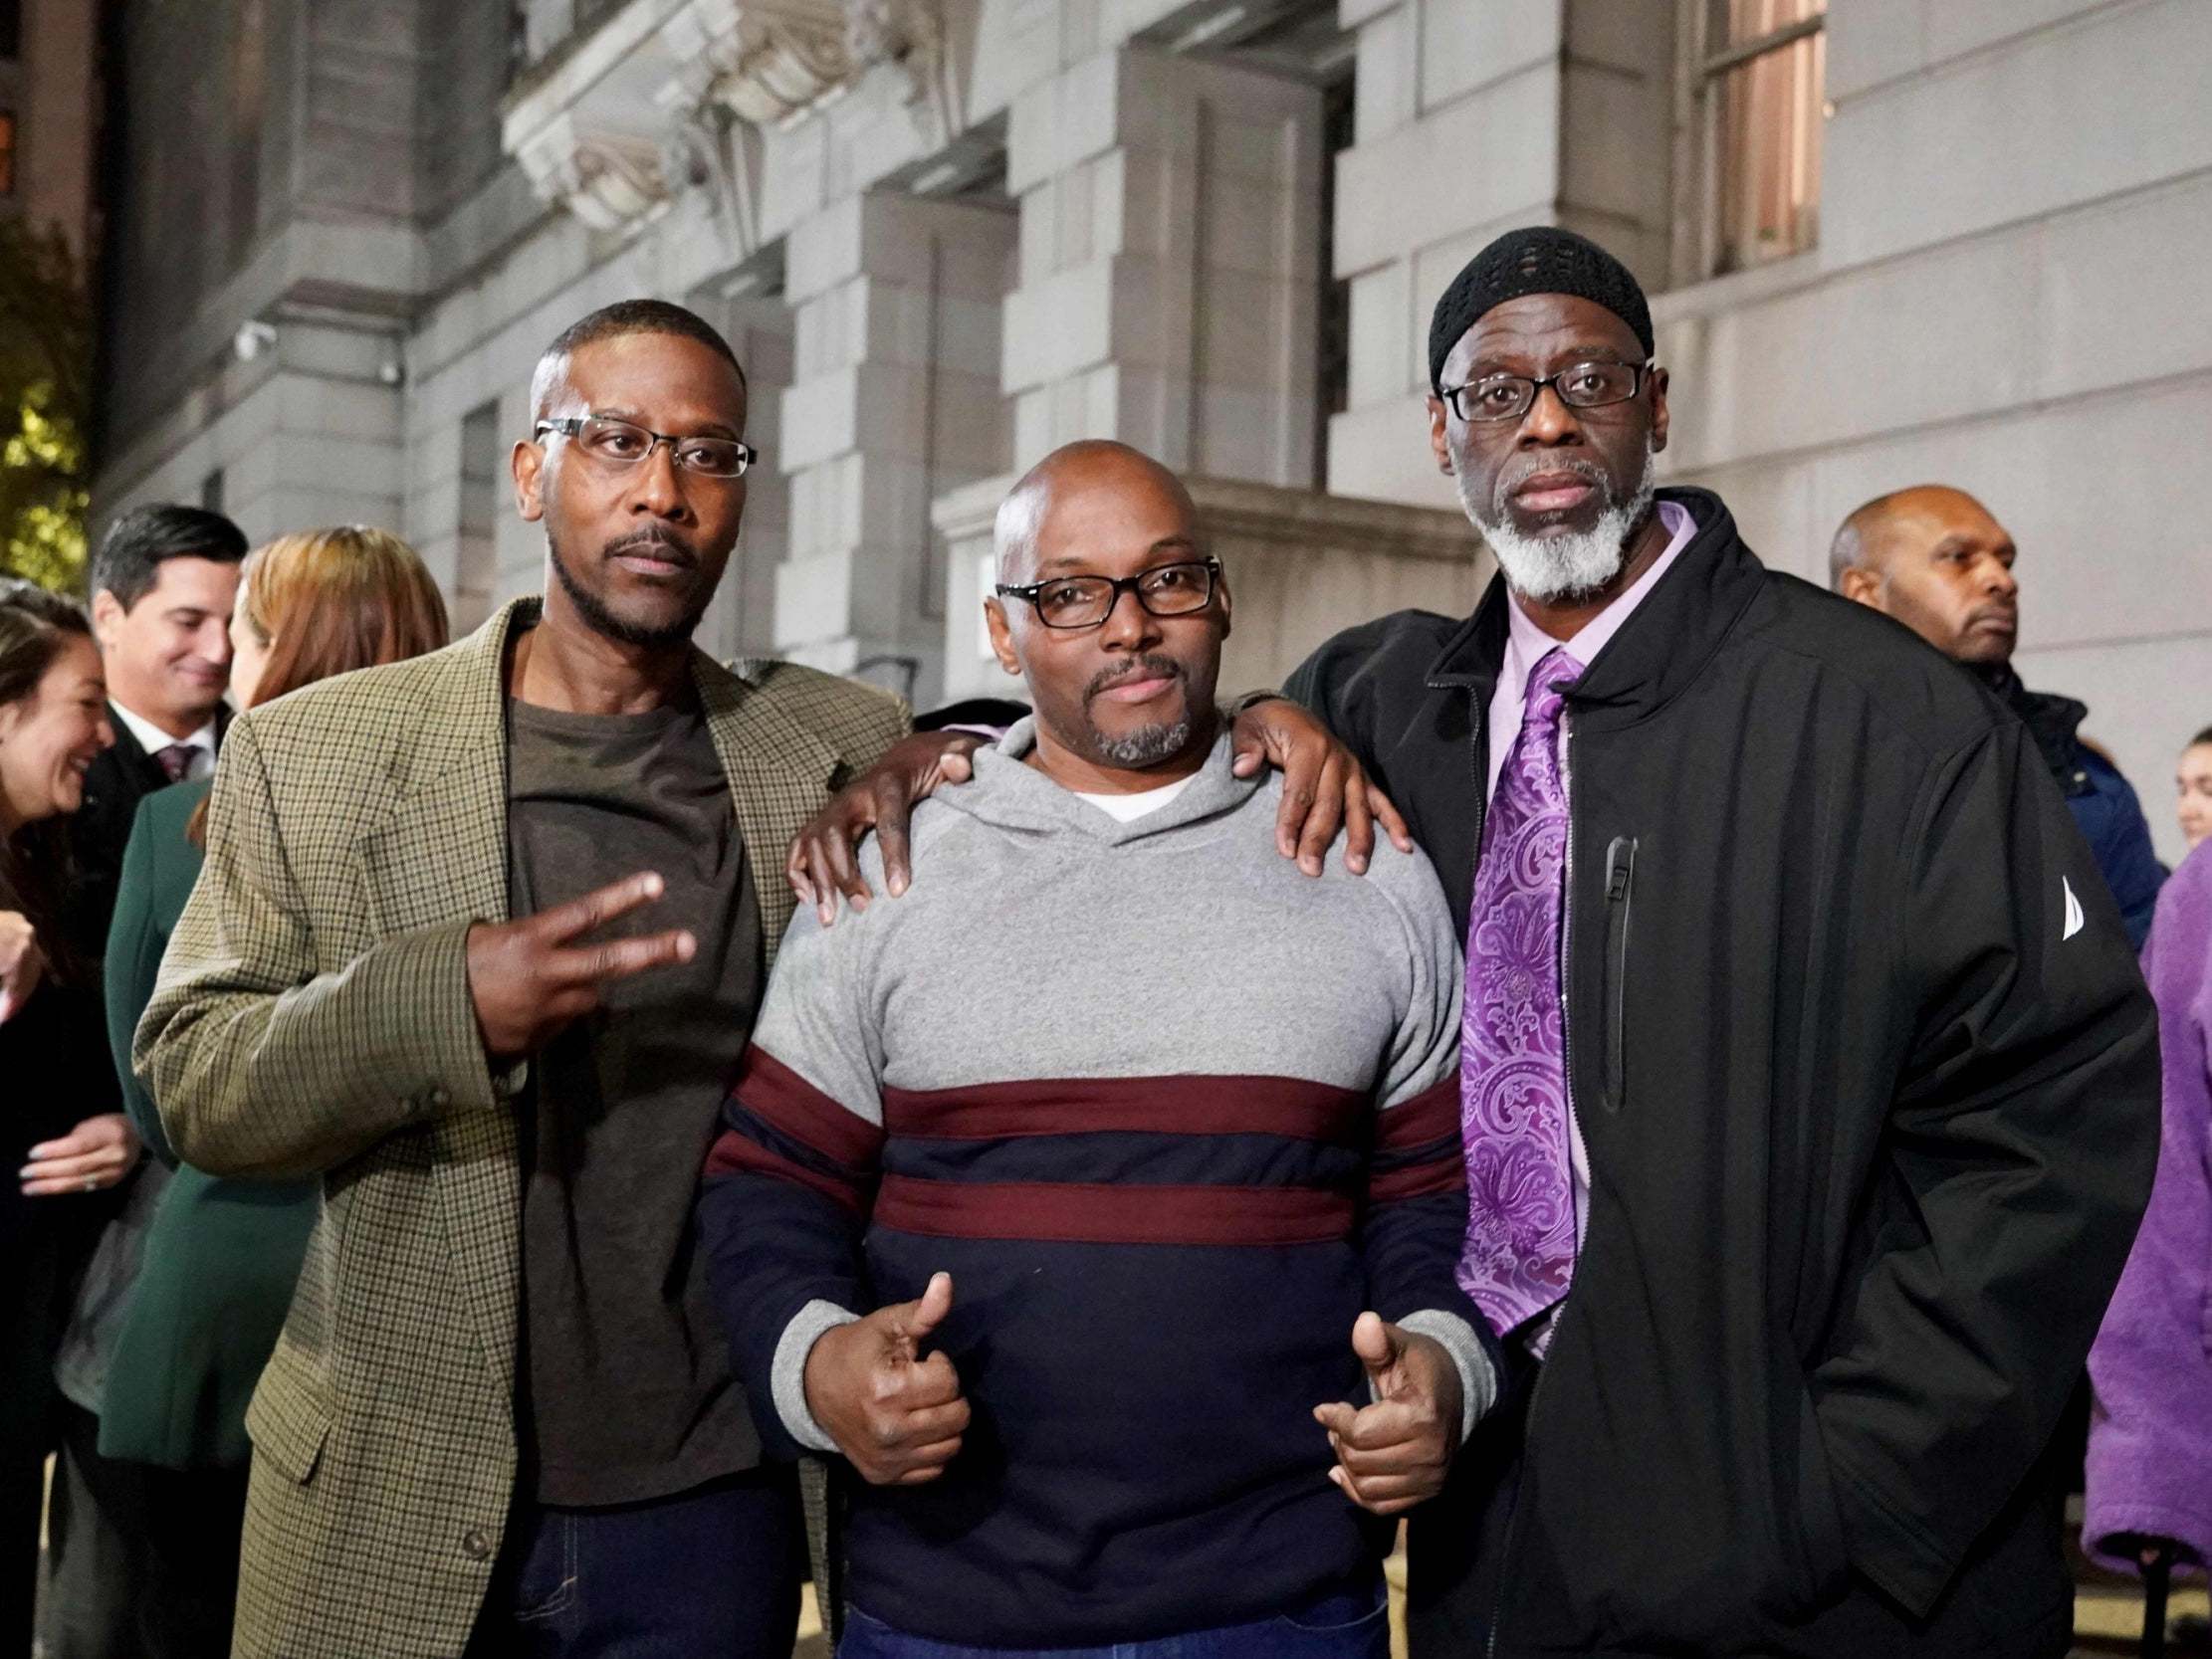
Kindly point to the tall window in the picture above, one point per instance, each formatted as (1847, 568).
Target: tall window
(7, 154)
(1760, 104)
(11, 29)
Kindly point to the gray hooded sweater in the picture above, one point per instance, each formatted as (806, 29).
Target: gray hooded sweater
(1172, 1114)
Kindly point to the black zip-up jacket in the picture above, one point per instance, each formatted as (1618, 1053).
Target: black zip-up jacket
(1869, 1081)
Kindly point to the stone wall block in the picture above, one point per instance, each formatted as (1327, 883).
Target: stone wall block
(1466, 44)
(1874, 41)
(811, 593)
(822, 251)
(1384, 348)
(1386, 74)
(1380, 452)
(819, 418)
(1953, 28)
(2091, 329)
(1062, 122)
(2130, 82)
(1637, 36)
(1478, 159)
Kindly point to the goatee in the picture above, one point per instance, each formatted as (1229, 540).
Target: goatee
(603, 620)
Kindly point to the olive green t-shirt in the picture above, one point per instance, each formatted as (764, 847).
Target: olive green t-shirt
(626, 1389)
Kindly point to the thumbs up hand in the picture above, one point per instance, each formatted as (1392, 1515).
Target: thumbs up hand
(896, 1416)
(1394, 1453)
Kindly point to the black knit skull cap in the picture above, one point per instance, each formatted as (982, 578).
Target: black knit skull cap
(1539, 259)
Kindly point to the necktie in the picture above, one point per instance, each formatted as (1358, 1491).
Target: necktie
(176, 759)
(1520, 1245)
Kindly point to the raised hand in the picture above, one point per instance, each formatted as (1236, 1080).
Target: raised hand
(1394, 1453)
(21, 962)
(530, 978)
(896, 1416)
(1324, 787)
(823, 861)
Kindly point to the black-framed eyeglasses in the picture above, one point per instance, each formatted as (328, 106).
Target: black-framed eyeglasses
(1507, 397)
(614, 442)
(1087, 601)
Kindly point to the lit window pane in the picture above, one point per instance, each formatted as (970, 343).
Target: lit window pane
(1770, 150)
(7, 155)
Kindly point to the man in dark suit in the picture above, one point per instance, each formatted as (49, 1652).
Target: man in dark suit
(162, 585)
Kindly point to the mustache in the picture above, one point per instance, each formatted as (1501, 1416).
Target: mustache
(1133, 668)
(662, 543)
(1517, 473)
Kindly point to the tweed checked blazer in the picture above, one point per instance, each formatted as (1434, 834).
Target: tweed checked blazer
(313, 1018)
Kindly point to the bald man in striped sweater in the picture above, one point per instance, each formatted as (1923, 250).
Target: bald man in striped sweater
(1099, 1200)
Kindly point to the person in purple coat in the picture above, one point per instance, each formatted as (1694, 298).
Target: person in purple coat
(2151, 1430)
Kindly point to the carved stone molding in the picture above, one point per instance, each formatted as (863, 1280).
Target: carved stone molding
(902, 32)
(608, 177)
(661, 100)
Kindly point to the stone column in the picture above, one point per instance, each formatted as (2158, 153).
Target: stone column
(1170, 272)
(894, 400)
(742, 620)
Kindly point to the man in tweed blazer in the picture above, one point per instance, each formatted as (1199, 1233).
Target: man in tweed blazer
(443, 1434)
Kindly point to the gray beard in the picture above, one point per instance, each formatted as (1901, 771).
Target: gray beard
(1555, 568)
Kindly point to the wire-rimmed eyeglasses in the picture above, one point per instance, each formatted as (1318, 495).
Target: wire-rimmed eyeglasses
(617, 443)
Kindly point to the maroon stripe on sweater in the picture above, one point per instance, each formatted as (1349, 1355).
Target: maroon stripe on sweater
(778, 1096)
(1421, 1181)
(1429, 1116)
(737, 1154)
(1085, 1212)
(1183, 1104)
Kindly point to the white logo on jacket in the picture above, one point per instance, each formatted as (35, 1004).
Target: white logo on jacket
(2073, 916)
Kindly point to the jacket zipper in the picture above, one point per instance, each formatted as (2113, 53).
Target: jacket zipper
(1619, 882)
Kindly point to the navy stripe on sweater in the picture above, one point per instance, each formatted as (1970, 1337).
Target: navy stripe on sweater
(1122, 1156)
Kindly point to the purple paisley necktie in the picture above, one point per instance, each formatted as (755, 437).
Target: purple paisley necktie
(1520, 1249)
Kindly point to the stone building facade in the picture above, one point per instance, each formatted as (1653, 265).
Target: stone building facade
(1889, 241)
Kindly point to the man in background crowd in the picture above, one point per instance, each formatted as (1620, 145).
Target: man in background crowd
(1939, 561)
(162, 584)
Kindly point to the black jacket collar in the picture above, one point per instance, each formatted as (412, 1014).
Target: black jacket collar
(2054, 721)
(1658, 651)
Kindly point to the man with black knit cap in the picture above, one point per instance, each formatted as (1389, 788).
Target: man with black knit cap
(1809, 1090)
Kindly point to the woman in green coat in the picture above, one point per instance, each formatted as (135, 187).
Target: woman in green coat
(222, 1257)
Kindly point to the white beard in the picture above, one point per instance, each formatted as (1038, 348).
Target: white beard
(1571, 566)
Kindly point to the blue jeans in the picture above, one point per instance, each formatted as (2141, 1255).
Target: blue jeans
(713, 1571)
(1343, 1626)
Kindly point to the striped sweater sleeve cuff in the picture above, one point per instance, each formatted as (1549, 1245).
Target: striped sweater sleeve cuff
(1477, 1376)
(788, 1370)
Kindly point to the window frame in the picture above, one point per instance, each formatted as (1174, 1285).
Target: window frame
(1700, 70)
